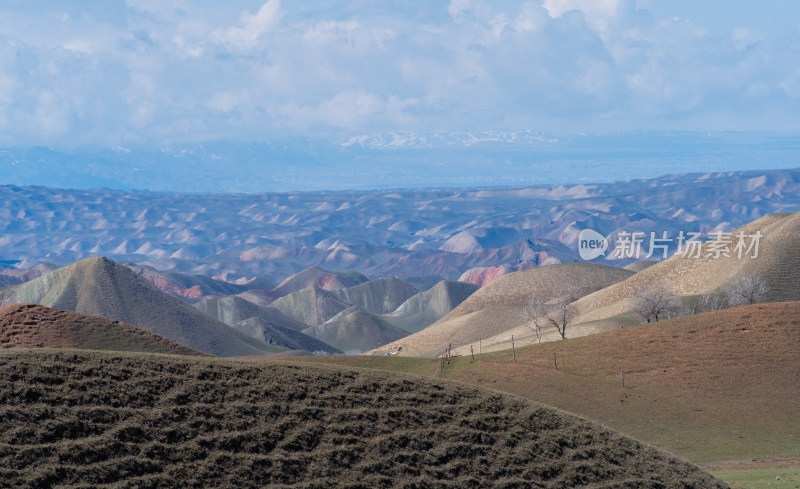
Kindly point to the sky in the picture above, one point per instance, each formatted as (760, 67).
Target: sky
(154, 72)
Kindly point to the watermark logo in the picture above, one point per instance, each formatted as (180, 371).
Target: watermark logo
(638, 245)
(591, 244)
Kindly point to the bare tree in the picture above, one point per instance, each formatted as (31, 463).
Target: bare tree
(747, 288)
(535, 313)
(557, 312)
(713, 301)
(654, 303)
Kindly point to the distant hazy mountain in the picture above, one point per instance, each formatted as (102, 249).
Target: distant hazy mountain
(397, 159)
(317, 277)
(313, 238)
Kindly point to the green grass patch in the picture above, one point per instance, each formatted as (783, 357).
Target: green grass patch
(775, 478)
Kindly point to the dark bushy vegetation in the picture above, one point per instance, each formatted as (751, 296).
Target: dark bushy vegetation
(83, 419)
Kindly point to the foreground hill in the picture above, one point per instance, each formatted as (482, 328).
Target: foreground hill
(425, 308)
(91, 419)
(34, 326)
(100, 287)
(711, 387)
(499, 306)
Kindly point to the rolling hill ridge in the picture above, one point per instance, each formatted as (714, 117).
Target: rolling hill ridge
(100, 287)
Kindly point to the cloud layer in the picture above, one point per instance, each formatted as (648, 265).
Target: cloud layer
(146, 71)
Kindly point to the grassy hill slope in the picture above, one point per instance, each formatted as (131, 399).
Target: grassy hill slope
(715, 386)
(34, 326)
(80, 419)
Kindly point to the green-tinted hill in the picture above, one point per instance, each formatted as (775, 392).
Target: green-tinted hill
(80, 419)
(100, 287)
(380, 296)
(277, 334)
(231, 310)
(35, 326)
(355, 330)
(267, 324)
(425, 308)
(322, 279)
(312, 306)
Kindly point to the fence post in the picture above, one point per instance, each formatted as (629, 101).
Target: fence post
(513, 349)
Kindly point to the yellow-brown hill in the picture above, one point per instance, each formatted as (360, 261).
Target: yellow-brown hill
(500, 305)
(777, 263)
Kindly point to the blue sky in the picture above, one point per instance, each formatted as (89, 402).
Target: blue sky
(109, 72)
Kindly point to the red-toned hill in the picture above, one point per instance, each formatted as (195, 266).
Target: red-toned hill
(35, 326)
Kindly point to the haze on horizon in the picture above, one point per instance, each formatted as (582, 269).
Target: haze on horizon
(158, 76)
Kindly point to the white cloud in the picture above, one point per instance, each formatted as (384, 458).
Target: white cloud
(744, 38)
(172, 71)
(253, 26)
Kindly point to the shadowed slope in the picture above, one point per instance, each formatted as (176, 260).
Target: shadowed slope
(263, 323)
(35, 326)
(500, 305)
(75, 418)
(276, 334)
(100, 287)
(356, 330)
(425, 308)
(231, 310)
(380, 296)
(312, 306)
